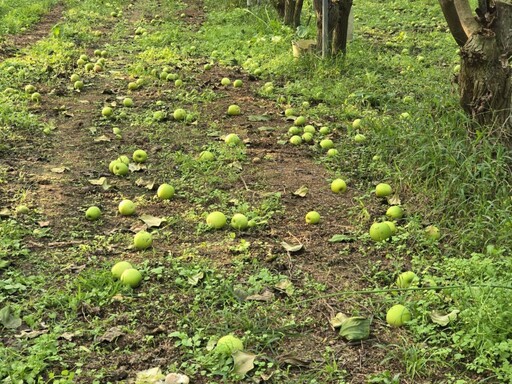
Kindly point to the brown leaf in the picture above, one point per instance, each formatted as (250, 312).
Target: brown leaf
(136, 167)
(302, 191)
(152, 221)
(59, 169)
(291, 359)
(102, 138)
(265, 296)
(394, 200)
(112, 334)
(43, 224)
(31, 334)
(243, 362)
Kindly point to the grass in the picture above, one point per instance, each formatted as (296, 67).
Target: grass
(395, 78)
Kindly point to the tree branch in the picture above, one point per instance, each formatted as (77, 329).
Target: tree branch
(466, 17)
(452, 18)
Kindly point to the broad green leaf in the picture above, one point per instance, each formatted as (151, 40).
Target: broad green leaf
(340, 238)
(443, 320)
(152, 221)
(355, 328)
(9, 319)
(195, 279)
(243, 362)
(286, 286)
(291, 248)
(259, 118)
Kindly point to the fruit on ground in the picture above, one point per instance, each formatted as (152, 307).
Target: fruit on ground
(206, 156)
(307, 137)
(294, 130)
(119, 268)
(79, 84)
(234, 110)
(356, 123)
(132, 85)
(159, 115)
(332, 152)
(309, 128)
(290, 112)
(216, 220)
(123, 158)
(180, 114)
(238, 83)
(142, 240)
(93, 213)
(398, 315)
(36, 96)
(225, 81)
(139, 156)
(120, 169)
(131, 277)
(299, 121)
(391, 226)
(312, 217)
(405, 279)
(165, 191)
(29, 88)
(324, 130)
(395, 212)
(432, 232)
(107, 111)
(338, 186)
(380, 231)
(383, 190)
(239, 221)
(128, 102)
(229, 344)
(126, 207)
(232, 139)
(296, 140)
(74, 77)
(22, 209)
(326, 144)
(359, 138)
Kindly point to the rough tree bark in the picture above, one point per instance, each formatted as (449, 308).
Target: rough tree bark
(289, 11)
(339, 12)
(485, 79)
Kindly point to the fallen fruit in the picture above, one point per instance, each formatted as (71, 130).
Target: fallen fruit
(139, 156)
(332, 152)
(391, 226)
(93, 213)
(238, 83)
(299, 121)
(142, 240)
(128, 102)
(383, 190)
(239, 221)
(312, 217)
(120, 169)
(165, 191)
(296, 140)
(380, 231)
(326, 144)
(216, 220)
(234, 110)
(232, 139)
(126, 207)
(206, 156)
(119, 268)
(338, 186)
(179, 114)
(395, 212)
(229, 344)
(432, 232)
(405, 279)
(225, 81)
(107, 111)
(398, 315)
(131, 277)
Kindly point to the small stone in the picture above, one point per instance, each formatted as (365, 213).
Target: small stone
(176, 378)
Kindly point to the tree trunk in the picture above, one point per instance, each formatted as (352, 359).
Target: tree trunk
(340, 34)
(485, 79)
(280, 5)
(334, 13)
(292, 11)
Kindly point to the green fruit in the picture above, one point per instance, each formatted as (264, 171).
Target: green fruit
(356, 123)
(206, 156)
(296, 140)
(238, 83)
(22, 209)
(299, 121)
(74, 77)
(132, 85)
(139, 156)
(142, 240)
(338, 186)
(119, 268)
(309, 129)
(395, 212)
(332, 152)
(111, 165)
(326, 144)
(294, 130)
(159, 115)
(398, 315)
(120, 169)
(208, 66)
(383, 190)
(290, 112)
(312, 217)
(225, 81)
(234, 110)
(406, 279)
(107, 111)
(180, 114)
(380, 231)
(178, 83)
(97, 52)
(165, 191)
(232, 139)
(359, 138)
(432, 232)
(89, 67)
(128, 102)
(229, 344)
(131, 277)
(124, 159)
(307, 137)
(78, 84)
(97, 67)
(93, 213)
(30, 88)
(391, 226)
(36, 96)
(84, 57)
(324, 130)
(216, 220)
(239, 221)
(126, 207)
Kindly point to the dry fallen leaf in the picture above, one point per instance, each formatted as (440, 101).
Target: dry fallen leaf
(59, 169)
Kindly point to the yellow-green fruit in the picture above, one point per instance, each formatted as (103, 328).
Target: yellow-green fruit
(338, 186)
(309, 128)
(139, 156)
(124, 159)
(119, 268)
(131, 277)
(232, 139)
(229, 344)
(395, 212)
(120, 169)
(380, 231)
(93, 213)
(107, 111)
(225, 81)
(299, 121)
(22, 209)
(326, 144)
(383, 190)
(296, 140)
(307, 137)
(128, 102)
(238, 83)
(290, 112)
(398, 315)
(165, 191)
(239, 221)
(405, 279)
(179, 114)
(216, 220)
(234, 110)
(312, 217)
(432, 232)
(126, 208)
(142, 240)
(206, 156)
(391, 226)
